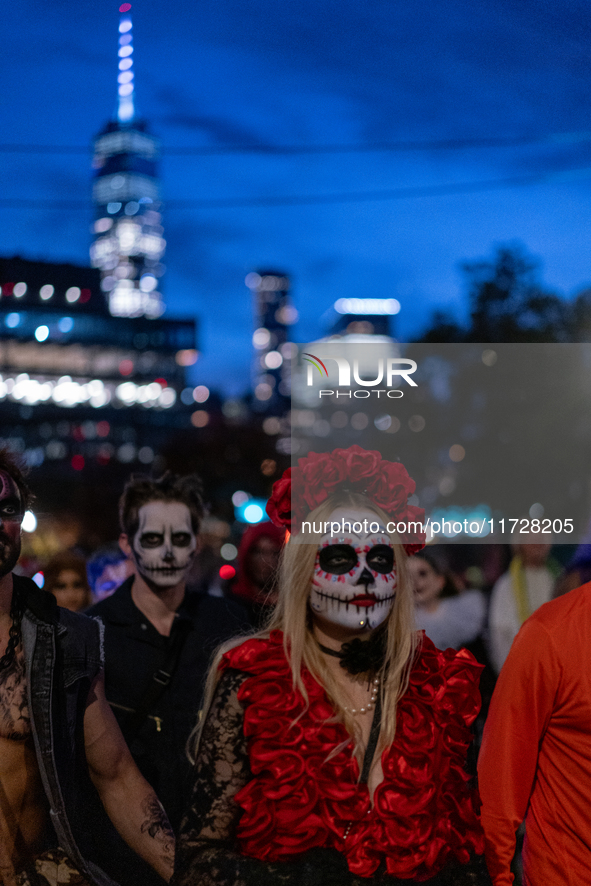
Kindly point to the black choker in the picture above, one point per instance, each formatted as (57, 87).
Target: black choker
(337, 654)
(360, 656)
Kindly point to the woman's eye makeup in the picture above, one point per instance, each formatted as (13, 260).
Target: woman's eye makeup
(339, 559)
(381, 559)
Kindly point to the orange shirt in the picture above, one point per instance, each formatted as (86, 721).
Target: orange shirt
(535, 761)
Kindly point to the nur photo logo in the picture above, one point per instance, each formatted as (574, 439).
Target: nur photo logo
(387, 371)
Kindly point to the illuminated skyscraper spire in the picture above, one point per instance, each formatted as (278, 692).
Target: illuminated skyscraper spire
(126, 110)
(128, 245)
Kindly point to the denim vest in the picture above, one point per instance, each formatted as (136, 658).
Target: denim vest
(63, 655)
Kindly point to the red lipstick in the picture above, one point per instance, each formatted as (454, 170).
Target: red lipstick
(364, 600)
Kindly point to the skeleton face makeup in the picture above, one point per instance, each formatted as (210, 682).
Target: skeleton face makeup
(164, 543)
(11, 515)
(354, 581)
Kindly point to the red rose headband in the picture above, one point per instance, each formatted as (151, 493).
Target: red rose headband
(319, 474)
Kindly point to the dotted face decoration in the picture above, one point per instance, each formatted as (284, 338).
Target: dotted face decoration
(354, 581)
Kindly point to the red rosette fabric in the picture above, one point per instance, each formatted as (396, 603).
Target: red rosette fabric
(424, 813)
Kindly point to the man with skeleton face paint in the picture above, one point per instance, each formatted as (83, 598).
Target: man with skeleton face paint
(56, 729)
(163, 545)
(158, 640)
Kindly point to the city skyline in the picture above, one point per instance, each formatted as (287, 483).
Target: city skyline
(227, 79)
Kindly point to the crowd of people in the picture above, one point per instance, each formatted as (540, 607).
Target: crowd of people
(314, 720)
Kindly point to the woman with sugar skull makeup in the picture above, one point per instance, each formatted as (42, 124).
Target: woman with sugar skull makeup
(334, 742)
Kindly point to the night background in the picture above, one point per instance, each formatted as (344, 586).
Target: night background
(233, 76)
(200, 203)
(367, 151)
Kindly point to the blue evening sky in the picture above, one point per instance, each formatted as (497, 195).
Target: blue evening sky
(311, 73)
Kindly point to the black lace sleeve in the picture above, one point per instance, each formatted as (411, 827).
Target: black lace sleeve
(207, 854)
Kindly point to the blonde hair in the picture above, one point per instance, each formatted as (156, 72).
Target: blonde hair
(292, 616)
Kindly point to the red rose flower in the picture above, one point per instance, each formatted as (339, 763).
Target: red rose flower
(356, 463)
(414, 537)
(318, 475)
(312, 496)
(279, 504)
(415, 514)
(322, 469)
(391, 487)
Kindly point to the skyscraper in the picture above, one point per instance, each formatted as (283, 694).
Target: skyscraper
(128, 244)
(364, 316)
(90, 385)
(273, 315)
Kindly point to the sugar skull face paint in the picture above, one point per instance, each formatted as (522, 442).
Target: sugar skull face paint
(164, 544)
(11, 515)
(354, 581)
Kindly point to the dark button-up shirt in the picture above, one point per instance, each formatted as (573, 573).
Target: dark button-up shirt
(134, 650)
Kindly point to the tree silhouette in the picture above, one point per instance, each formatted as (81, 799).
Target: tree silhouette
(508, 304)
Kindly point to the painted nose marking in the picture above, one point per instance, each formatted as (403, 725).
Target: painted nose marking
(366, 578)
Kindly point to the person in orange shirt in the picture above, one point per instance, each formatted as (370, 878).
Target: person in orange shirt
(535, 760)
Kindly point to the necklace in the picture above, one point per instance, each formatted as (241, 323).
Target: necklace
(327, 651)
(343, 654)
(369, 705)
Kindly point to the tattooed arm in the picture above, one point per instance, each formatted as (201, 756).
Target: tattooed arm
(127, 797)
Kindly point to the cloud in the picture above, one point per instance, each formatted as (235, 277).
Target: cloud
(179, 112)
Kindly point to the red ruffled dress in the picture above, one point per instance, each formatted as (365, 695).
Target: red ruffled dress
(425, 812)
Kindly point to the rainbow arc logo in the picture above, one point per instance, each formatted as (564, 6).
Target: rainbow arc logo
(317, 362)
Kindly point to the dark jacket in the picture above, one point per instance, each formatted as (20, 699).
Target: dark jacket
(62, 658)
(134, 650)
